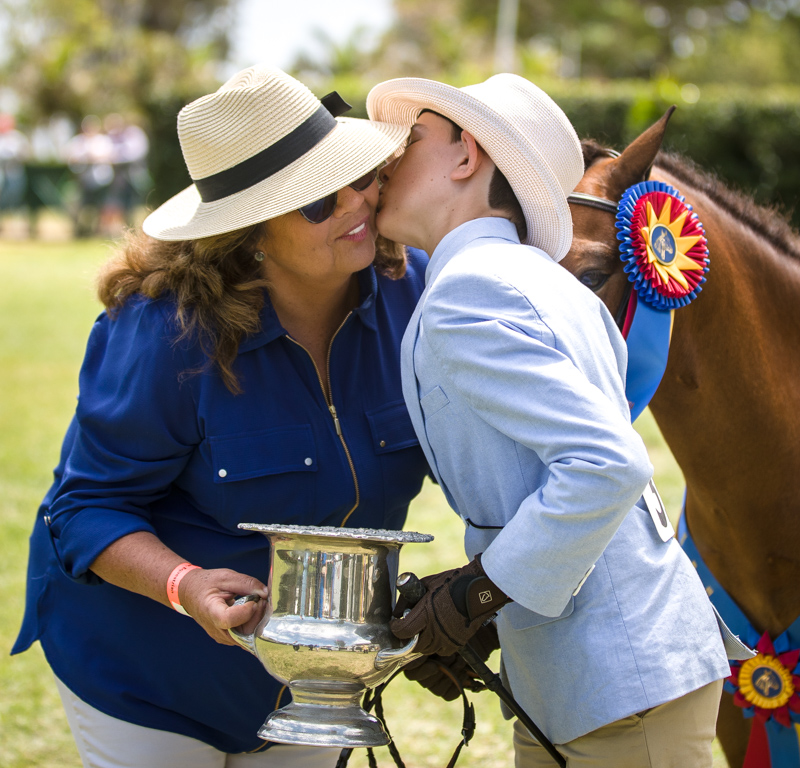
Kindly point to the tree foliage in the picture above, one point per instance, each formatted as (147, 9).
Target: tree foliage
(615, 67)
(142, 58)
(700, 41)
(103, 55)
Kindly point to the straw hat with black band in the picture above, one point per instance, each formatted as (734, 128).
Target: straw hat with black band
(523, 131)
(261, 146)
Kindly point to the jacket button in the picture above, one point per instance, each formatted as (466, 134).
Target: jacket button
(382, 443)
(47, 520)
(223, 473)
(309, 461)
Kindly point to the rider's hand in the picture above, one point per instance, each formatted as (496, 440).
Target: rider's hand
(455, 605)
(445, 676)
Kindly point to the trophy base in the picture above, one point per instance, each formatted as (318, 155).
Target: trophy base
(319, 725)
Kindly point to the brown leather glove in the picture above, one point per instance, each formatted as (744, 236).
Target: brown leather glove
(454, 607)
(445, 676)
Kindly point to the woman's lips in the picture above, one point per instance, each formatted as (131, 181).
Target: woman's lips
(358, 232)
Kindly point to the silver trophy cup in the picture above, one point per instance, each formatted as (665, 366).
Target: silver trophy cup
(325, 633)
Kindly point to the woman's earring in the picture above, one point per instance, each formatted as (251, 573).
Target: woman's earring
(259, 256)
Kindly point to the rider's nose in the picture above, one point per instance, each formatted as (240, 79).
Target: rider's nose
(386, 172)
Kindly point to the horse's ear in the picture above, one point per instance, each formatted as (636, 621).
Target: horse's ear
(635, 163)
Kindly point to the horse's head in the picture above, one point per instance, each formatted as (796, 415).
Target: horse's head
(594, 256)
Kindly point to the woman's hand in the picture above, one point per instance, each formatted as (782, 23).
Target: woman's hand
(208, 596)
(141, 563)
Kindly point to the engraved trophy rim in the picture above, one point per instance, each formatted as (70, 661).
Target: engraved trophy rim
(327, 531)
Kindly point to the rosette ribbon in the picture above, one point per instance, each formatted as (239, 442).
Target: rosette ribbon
(663, 245)
(767, 687)
(665, 254)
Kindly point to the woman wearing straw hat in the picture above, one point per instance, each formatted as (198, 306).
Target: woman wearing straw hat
(246, 370)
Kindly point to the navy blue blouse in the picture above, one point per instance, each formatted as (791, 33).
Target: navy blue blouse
(157, 446)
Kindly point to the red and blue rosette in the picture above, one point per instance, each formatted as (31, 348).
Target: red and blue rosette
(767, 686)
(663, 245)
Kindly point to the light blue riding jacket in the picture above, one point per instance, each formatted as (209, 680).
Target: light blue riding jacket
(513, 375)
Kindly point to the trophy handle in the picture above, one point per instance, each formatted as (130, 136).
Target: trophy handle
(404, 655)
(248, 642)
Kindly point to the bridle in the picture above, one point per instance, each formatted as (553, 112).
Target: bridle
(592, 201)
(609, 206)
(645, 315)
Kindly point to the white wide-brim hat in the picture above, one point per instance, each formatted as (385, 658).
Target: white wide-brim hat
(524, 132)
(261, 146)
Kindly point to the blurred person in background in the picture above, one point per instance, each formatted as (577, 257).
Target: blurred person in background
(49, 139)
(129, 147)
(247, 369)
(15, 151)
(89, 155)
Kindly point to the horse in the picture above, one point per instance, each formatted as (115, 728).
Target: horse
(728, 404)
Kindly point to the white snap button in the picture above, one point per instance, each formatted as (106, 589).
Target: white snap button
(223, 473)
(309, 461)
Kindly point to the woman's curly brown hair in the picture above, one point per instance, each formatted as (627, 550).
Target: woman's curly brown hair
(216, 282)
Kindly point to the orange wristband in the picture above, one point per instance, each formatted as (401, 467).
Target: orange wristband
(172, 585)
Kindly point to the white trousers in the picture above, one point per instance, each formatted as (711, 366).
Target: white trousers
(107, 742)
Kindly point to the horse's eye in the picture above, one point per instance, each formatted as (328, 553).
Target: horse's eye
(594, 279)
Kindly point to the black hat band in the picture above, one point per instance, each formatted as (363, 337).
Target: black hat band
(277, 156)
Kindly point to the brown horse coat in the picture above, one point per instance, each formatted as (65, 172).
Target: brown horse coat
(729, 402)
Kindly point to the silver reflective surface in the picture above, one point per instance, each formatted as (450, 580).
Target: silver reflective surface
(329, 532)
(325, 632)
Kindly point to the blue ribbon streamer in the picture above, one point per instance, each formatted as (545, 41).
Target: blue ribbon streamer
(784, 743)
(648, 349)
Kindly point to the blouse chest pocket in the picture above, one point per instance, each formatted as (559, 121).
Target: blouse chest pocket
(391, 429)
(265, 476)
(266, 452)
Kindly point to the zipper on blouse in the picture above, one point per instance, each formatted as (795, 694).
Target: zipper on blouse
(332, 408)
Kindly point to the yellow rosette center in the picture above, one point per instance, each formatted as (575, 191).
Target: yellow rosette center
(666, 247)
(765, 682)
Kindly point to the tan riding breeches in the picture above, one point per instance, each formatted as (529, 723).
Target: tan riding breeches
(677, 734)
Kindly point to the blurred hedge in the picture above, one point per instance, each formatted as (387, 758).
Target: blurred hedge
(165, 159)
(750, 139)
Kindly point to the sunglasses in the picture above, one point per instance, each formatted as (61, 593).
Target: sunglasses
(323, 209)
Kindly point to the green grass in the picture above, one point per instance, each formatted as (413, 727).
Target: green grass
(47, 306)
(46, 310)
